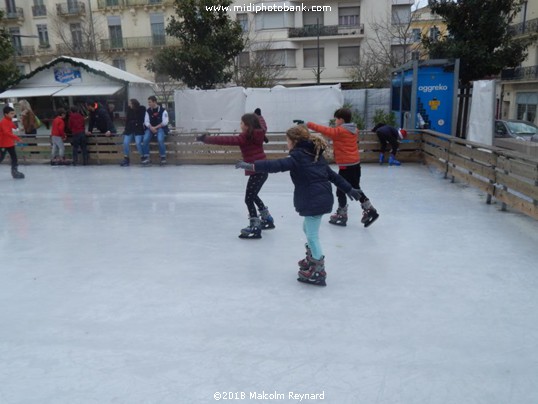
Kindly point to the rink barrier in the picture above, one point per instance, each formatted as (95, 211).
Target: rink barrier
(505, 175)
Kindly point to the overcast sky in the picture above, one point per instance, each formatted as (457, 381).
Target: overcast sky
(420, 3)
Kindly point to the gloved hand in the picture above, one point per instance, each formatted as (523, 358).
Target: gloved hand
(298, 121)
(201, 137)
(354, 194)
(245, 166)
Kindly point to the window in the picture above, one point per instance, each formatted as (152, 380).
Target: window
(76, 36)
(278, 57)
(311, 18)
(272, 20)
(157, 29)
(526, 106)
(434, 33)
(110, 3)
(348, 55)
(43, 35)
(243, 60)
(114, 32)
(401, 14)
(73, 6)
(39, 9)
(415, 35)
(242, 19)
(310, 57)
(348, 15)
(15, 34)
(119, 63)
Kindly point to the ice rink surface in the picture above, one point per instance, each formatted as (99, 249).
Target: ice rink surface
(130, 285)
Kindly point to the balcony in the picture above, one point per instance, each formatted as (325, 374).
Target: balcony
(72, 9)
(74, 49)
(39, 11)
(527, 27)
(144, 3)
(24, 51)
(529, 73)
(311, 31)
(14, 15)
(137, 43)
(104, 4)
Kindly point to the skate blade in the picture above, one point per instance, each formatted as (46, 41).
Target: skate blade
(338, 223)
(313, 283)
(268, 226)
(369, 222)
(249, 237)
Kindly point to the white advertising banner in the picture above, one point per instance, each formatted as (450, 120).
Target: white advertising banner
(482, 116)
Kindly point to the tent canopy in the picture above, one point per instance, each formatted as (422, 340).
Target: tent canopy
(72, 91)
(23, 92)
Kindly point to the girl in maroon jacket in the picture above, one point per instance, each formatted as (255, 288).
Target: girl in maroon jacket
(250, 141)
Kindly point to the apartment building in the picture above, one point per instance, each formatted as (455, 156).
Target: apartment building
(518, 90)
(125, 33)
(425, 23)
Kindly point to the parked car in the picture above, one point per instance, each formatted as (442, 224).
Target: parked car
(516, 129)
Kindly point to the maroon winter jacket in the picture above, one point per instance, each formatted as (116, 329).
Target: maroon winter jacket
(251, 150)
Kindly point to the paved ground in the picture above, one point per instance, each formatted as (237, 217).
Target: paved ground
(131, 286)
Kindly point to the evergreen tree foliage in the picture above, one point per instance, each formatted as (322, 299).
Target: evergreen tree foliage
(480, 35)
(208, 43)
(8, 70)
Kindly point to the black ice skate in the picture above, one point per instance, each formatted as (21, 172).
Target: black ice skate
(315, 273)
(267, 221)
(253, 231)
(340, 217)
(16, 174)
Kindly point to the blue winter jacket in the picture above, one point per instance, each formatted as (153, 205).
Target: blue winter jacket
(312, 179)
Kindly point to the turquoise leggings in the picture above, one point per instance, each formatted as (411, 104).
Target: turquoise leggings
(311, 230)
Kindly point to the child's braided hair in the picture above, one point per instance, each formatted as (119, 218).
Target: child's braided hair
(300, 132)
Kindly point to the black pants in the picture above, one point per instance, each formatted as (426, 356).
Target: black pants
(384, 139)
(80, 142)
(352, 174)
(254, 185)
(12, 154)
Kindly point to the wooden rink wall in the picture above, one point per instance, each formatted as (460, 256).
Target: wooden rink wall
(508, 176)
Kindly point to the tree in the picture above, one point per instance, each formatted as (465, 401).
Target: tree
(479, 35)
(209, 42)
(261, 66)
(78, 39)
(8, 71)
(389, 45)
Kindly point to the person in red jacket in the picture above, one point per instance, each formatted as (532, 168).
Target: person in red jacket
(76, 125)
(57, 137)
(346, 154)
(250, 141)
(8, 140)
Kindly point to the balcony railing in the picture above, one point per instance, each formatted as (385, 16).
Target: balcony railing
(12, 15)
(520, 73)
(110, 3)
(39, 11)
(23, 51)
(326, 30)
(145, 42)
(140, 3)
(78, 49)
(71, 9)
(527, 27)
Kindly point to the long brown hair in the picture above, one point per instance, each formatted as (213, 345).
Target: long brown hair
(300, 132)
(252, 122)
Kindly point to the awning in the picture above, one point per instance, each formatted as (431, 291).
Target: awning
(73, 91)
(26, 92)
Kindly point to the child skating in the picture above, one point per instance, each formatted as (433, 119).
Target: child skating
(250, 141)
(312, 196)
(8, 140)
(346, 155)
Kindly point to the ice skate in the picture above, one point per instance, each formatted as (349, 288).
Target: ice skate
(315, 273)
(393, 161)
(381, 158)
(16, 174)
(303, 264)
(125, 162)
(340, 217)
(369, 214)
(163, 161)
(267, 221)
(146, 162)
(253, 231)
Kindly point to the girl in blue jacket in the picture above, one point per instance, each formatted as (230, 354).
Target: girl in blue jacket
(312, 197)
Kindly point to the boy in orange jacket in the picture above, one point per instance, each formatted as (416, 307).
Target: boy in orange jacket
(346, 154)
(8, 140)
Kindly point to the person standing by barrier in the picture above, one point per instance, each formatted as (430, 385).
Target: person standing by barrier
(156, 123)
(80, 142)
(8, 140)
(134, 127)
(28, 118)
(389, 135)
(57, 138)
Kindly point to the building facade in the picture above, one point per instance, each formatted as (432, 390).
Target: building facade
(316, 42)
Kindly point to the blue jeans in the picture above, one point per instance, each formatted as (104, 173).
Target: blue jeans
(160, 139)
(311, 226)
(128, 139)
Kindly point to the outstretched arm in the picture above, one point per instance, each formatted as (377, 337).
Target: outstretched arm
(324, 130)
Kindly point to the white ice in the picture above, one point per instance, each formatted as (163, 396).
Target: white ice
(130, 285)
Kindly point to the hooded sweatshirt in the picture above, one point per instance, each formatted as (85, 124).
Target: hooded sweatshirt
(345, 142)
